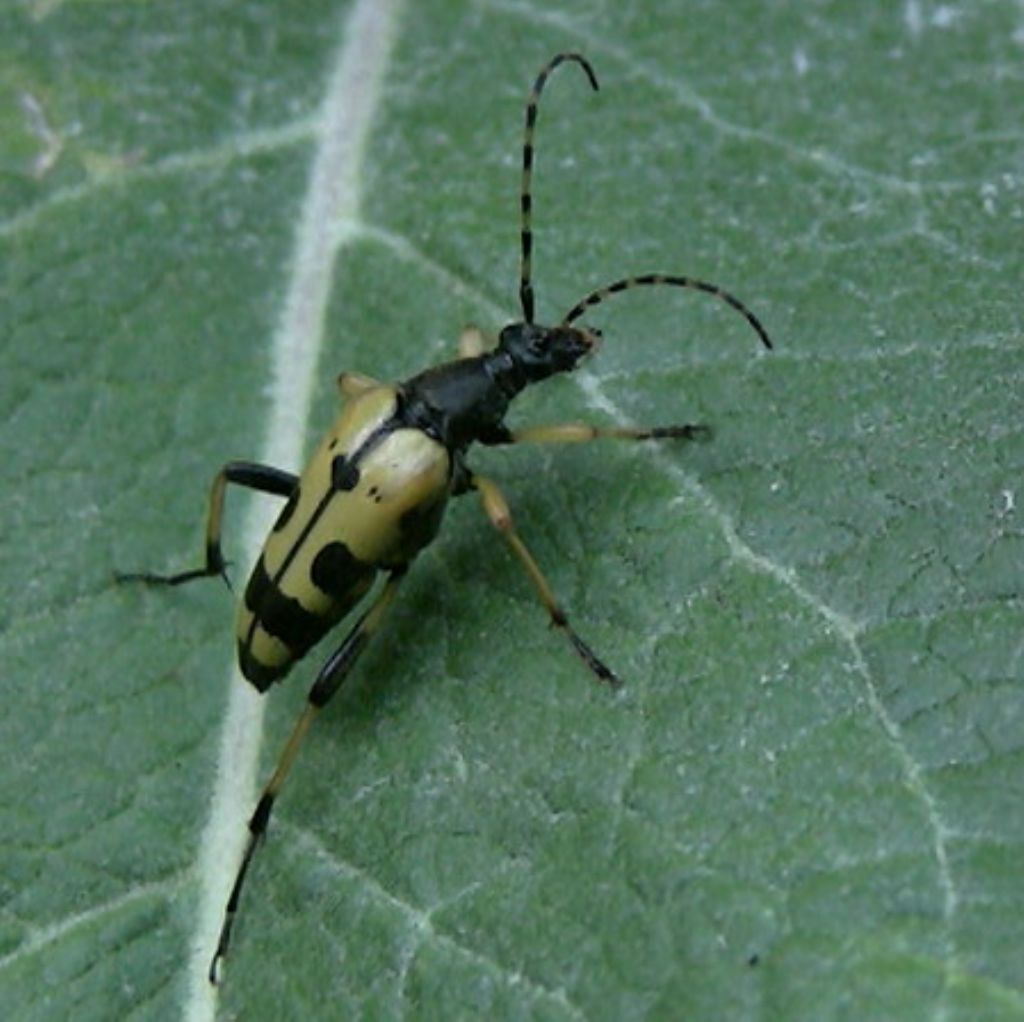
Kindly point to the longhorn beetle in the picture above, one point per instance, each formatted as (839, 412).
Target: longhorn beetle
(375, 490)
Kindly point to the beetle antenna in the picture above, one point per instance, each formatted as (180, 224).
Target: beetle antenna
(650, 279)
(525, 197)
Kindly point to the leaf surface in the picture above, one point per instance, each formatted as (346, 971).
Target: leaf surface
(806, 802)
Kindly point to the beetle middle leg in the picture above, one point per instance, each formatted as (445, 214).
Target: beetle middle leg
(264, 478)
(473, 341)
(497, 510)
(328, 681)
(354, 384)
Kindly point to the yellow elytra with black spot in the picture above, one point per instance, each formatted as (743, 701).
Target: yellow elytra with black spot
(375, 490)
(372, 495)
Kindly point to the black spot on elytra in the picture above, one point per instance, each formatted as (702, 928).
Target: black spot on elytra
(261, 676)
(374, 492)
(257, 587)
(286, 619)
(281, 615)
(344, 475)
(335, 569)
(287, 511)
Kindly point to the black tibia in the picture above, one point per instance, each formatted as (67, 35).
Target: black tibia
(257, 826)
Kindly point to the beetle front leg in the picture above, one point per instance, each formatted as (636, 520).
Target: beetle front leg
(580, 432)
(473, 341)
(327, 682)
(497, 510)
(263, 478)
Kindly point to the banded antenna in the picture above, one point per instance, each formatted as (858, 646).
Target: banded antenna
(525, 197)
(652, 279)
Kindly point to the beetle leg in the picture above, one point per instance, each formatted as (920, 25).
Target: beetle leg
(579, 432)
(263, 478)
(328, 681)
(354, 384)
(497, 510)
(473, 342)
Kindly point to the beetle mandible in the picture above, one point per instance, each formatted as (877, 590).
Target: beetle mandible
(375, 490)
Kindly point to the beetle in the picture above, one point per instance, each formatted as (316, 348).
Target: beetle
(375, 490)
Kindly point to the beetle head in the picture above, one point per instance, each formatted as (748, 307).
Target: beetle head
(541, 351)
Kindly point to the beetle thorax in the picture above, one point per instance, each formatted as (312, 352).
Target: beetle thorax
(465, 401)
(462, 401)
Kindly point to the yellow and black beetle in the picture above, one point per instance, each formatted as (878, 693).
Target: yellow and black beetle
(375, 490)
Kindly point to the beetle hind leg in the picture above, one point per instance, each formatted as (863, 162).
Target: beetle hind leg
(328, 681)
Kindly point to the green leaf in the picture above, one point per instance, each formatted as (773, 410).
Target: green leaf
(806, 802)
